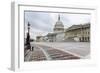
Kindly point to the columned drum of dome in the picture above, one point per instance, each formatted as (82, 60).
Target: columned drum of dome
(59, 27)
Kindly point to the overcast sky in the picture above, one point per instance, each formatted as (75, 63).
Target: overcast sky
(43, 22)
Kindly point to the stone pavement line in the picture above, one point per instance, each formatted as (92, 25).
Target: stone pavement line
(65, 51)
(69, 52)
(46, 54)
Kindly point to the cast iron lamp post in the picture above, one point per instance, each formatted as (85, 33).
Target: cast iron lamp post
(28, 38)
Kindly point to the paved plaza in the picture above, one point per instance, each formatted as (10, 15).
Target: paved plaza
(58, 51)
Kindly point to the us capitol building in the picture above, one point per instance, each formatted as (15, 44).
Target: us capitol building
(75, 33)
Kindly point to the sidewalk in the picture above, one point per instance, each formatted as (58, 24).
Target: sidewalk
(80, 49)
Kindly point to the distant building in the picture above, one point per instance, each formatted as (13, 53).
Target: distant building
(60, 37)
(75, 33)
(78, 33)
(41, 39)
(51, 37)
(58, 32)
(38, 38)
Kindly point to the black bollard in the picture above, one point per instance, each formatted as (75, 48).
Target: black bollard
(32, 48)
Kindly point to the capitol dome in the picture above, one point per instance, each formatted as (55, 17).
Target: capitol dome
(59, 24)
(59, 27)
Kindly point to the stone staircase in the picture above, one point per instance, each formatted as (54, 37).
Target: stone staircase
(69, 40)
